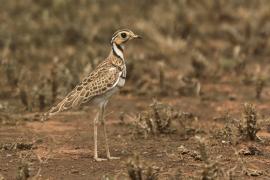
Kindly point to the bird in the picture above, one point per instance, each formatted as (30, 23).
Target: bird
(99, 86)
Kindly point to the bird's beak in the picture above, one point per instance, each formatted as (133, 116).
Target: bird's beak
(135, 36)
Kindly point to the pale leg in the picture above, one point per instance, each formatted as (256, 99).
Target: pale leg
(96, 120)
(105, 133)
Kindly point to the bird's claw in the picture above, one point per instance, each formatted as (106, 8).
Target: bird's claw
(99, 159)
(112, 158)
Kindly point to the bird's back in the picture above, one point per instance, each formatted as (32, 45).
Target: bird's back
(98, 85)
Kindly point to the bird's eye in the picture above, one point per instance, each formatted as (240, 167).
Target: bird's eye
(123, 35)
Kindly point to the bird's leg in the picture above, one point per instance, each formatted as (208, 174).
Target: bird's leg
(105, 133)
(96, 120)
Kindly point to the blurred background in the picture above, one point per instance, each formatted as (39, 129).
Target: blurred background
(48, 46)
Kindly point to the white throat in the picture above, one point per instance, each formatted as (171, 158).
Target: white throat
(118, 51)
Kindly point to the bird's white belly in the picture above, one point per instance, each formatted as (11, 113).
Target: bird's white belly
(105, 97)
(121, 82)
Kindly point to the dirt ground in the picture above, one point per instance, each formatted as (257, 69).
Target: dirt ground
(62, 147)
(195, 105)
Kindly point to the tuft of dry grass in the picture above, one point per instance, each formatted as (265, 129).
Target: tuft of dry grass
(244, 128)
(157, 120)
(228, 134)
(162, 119)
(189, 87)
(23, 172)
(138, 171)
(24, 98)
(212, 168)
(200, 65)
(249, 128)
(245, 170)
(260, 85)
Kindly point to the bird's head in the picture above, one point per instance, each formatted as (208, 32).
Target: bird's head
(124, 35)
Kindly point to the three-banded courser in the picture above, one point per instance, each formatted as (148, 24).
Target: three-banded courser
(108, 77)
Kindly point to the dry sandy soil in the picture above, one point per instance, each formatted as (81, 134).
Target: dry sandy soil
(62, 147)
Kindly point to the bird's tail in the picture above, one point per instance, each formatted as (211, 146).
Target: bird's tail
(68, 102)
(54, 110)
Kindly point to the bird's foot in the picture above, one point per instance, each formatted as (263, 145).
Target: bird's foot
(112, 158)
(99, 159)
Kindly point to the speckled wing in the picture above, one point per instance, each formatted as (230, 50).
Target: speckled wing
(101, 80)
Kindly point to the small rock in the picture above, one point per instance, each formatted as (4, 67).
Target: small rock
(159, 155)
(251, 150)
(224, 142)
(253, 172)
(2, 177)
(196, 155)
(39, 141)
(183, 150)
(75, 171)
(232, 97)
(23, 146)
